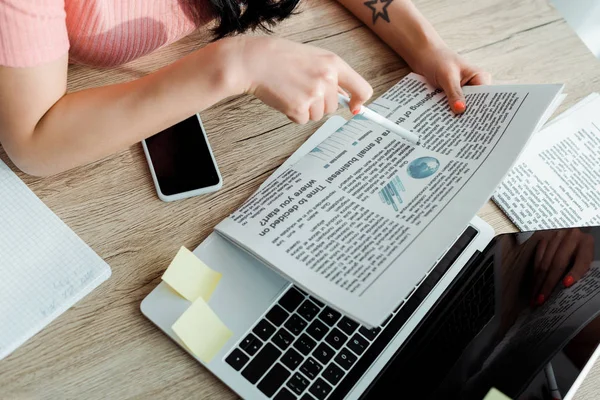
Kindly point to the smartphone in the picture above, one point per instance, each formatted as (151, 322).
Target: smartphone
(181, 161)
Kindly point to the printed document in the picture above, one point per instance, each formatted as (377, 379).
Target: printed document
(556, 182)
(360, 220)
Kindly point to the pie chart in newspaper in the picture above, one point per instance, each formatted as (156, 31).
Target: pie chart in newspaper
(423, 167)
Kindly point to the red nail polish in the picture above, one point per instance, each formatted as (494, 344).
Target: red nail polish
(540, 300)
(354, 112)
(568, 281)
(459, 106)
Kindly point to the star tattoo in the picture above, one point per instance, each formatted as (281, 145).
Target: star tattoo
(379, 8)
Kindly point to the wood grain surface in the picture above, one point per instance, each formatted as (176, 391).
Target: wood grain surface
(103, 348)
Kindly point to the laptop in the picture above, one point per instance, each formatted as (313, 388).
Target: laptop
(467, 327)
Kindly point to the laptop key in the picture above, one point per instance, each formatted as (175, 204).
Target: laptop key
(317, 329)
(277, 315)
(273, 380)
(333, 374)
(347, 325)
(298, 383)
(251, 344)
(264, 329)
(320, 389)
(295, 324)
(291, 300)
(329, 316)
(307, 397)
(237, 359)
(358, 344)
(304, 344)
(261, 363)
(370, 334)
(311, 368)
(285, 394)
(308, 310)
(292, 359)
(283, 339)
(346, 359)
(323, 353)
(336, 338)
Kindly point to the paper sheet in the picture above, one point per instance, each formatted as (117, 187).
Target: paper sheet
(555, 182)
(190, 277)
(590, 98)
(201, 330)
(495, 394)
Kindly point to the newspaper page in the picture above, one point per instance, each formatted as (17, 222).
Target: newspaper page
(556, 182)
(361, 219)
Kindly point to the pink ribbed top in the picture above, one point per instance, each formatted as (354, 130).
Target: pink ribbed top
(94, 32)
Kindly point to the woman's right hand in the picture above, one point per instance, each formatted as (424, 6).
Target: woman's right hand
(298, 80)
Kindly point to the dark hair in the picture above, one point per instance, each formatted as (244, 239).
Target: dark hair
(239, 16)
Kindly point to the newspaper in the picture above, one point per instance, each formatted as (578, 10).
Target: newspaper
(360, 220)
(556, 182)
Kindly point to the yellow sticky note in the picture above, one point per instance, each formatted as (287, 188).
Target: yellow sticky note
(201, 330)
(495, 394)
(190, 277)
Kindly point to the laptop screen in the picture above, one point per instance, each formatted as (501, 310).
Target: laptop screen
(521, 317)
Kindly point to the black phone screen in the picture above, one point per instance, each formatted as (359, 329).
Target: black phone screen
(181, 158)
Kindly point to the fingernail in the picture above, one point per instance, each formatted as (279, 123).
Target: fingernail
(459, 106)
(356, 111)
(568, 281)
(540, 300)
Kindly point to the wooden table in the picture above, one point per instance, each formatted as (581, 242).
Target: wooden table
(103, 347)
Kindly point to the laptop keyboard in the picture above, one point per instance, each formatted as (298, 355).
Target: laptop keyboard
(303, 349)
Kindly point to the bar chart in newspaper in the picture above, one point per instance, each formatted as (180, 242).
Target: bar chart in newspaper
(351, 133)
(391, 193)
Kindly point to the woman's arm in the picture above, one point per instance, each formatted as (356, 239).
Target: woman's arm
(400, 24)
(45, 131)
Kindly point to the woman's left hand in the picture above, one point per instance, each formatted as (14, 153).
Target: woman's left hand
(446, 69)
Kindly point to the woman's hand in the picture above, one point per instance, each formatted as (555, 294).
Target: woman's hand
(299, 80)
(564, 254)
(447, 70)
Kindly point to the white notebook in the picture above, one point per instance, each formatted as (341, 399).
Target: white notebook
(45, 267)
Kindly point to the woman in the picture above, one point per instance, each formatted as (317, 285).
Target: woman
(46, 131)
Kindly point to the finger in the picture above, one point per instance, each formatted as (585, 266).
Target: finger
(359, 89)
(541, 247)
(560, 262)
(317, 109)
(300, 119)
(343, 92)
(553, 246)
(583, 259)
(450, 83)
(300, 115)
(480, 78)
(540, 275)
(331, 101)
